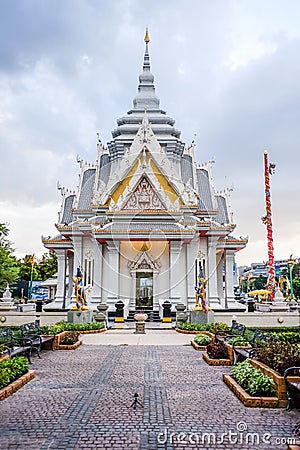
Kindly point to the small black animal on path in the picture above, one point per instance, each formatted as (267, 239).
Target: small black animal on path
(136, 402)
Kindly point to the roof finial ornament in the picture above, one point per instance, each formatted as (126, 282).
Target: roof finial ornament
(147, 39)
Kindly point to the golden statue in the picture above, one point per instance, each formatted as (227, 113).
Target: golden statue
(81, 302)
(201, 295)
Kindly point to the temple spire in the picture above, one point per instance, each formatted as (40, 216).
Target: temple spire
(146, 98)
(146, 65)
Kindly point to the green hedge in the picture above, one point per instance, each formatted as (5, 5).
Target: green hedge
(68, 326)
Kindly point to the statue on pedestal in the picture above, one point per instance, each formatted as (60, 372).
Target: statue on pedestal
(81, 302)
(201, 294)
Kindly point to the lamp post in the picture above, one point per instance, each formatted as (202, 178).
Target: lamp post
(32, 261)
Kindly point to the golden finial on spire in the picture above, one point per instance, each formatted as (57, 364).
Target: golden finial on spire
(147, 36)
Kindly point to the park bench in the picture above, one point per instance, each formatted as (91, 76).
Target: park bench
(13, 345)
(258, 337)
(33, 332)
(292, 386)
(236, 330)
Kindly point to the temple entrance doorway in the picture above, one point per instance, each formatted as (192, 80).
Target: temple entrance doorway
(144, 291)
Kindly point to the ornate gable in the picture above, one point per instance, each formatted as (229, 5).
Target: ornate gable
(144, 261)
(144, 196)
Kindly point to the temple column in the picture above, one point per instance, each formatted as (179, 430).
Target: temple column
(97, 281)
(192, 252)
(175, 275)
(213, 296)
(220, 283)
(77, 262)
(112, 284)
(70, 257)
(229, 283)
(59, 300)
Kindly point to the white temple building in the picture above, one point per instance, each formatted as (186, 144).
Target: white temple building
(145, 220)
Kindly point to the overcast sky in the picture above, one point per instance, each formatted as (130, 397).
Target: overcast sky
(228, 71)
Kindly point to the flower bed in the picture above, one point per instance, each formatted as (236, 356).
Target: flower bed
(198, 347)
(201, 340)
(93, 331)
(14, 373)
(278, 380)
(208, 333)
(60, 346)
(215, 361)
(252, 386)
(247, 399)
(17, 384)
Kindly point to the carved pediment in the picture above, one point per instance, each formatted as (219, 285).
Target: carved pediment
(144, 196)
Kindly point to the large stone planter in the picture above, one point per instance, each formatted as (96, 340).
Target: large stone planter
(15, 385)
(215, 362)
(247, 399)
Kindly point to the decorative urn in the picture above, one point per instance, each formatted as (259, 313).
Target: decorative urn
(140, 316)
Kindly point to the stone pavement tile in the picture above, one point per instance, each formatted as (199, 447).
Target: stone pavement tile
(82, 400)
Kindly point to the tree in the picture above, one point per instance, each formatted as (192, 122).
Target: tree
(26, 267)
(9, 266)
(41, 269)
(47, 267)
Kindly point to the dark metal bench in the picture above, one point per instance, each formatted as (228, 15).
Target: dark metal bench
(236, 330)
(33, 332)
(292, 387)
(14, 346)
(258, 337)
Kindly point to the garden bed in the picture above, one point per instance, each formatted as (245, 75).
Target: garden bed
(93, 331)
(17, 384)
(278, 380)
(198, 347)
(208, 333)
(215, 362)
(247, 399)
(59, 346)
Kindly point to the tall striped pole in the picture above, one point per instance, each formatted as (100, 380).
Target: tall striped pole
(267, 220)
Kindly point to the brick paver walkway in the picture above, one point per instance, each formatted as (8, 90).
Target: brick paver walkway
(82, 400)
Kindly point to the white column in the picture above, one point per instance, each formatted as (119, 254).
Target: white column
(71, 271)
(61, 281)
(97, 281)
(220, 282)
(77, 262)
(192, 252)
(77, 244)
(213, 296)
(229, 260)
(175, 277)
(112, 284)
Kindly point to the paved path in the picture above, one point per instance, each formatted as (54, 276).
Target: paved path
(82, 400)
